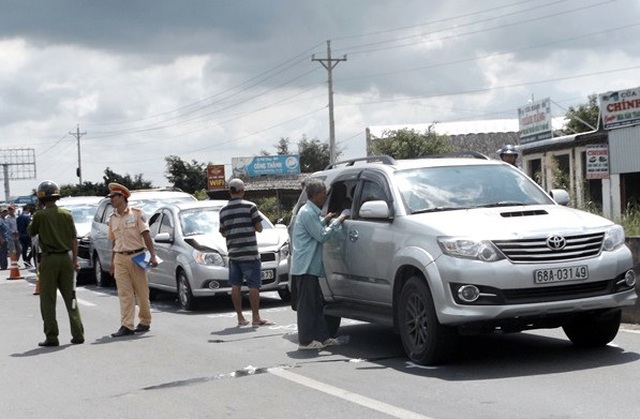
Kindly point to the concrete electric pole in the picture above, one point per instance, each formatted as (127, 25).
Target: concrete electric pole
(329, 64)
(78, 134)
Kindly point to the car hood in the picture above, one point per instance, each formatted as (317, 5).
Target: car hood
(268, 240)
(511, 222)
(83, 229)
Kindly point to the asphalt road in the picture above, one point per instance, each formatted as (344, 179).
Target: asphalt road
(200, 365)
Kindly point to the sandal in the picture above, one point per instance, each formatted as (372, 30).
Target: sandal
(262, 322)
(243, 323)
(314, 344)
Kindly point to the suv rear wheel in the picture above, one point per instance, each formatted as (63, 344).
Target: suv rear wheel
(425, 340)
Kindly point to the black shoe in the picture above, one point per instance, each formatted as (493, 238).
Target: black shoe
(77, 341)
(123, 331)
(49, 343)
(142, 328)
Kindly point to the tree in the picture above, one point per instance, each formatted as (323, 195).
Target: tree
(314, 155)
(587, 112)
(190, 177)
(101, 189)
(409, 143)
(282, 148)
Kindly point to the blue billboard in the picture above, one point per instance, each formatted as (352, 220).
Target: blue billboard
(266, 165)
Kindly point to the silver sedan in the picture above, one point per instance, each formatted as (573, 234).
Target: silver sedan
(194, 254)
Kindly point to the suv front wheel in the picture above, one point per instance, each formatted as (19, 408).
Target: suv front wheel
(425, 340)
(593, 330)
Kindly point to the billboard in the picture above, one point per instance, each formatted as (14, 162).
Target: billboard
(215, 177)
(620, 109)
(597, 159)
(535, 121)
(266, 165)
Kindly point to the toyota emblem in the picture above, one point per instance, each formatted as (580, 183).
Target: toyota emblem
(556, 243)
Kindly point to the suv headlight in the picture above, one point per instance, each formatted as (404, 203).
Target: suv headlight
(208, 258)
(613, 238)
(470, 248)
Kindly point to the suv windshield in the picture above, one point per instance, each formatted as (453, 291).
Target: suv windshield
(461, 187)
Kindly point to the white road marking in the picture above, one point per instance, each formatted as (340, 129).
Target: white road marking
(385, 408)
(630, 331)
(84, 303)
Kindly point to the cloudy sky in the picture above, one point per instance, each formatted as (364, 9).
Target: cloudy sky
(208, 80)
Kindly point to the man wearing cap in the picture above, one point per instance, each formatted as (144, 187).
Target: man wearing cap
(57, 235)
(129, 233)
(239, 221)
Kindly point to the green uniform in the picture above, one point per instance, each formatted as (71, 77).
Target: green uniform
(56, 233)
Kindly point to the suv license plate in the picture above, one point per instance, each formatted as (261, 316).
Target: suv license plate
(572, 273)
(267, 274)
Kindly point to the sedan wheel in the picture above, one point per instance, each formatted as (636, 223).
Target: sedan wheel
(425, 340)
(185, 296)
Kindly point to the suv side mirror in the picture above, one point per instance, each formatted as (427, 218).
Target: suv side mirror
(374, 210)
(163, 238)
(560, 196)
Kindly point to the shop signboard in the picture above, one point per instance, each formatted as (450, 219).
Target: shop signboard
(215, 177)
(620, 109)
(266, 165)
(597, 161)
(535, 121)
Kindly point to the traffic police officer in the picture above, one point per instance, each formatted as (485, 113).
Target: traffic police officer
(57, 237)
(129, 233)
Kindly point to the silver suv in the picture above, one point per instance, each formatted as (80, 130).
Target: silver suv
(439, 247)
(99, 246)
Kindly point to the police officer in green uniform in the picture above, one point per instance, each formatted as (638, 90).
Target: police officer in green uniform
(57, 237)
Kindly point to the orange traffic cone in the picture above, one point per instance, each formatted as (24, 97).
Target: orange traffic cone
(15, 270)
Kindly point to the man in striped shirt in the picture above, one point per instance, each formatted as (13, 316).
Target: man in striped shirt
(239, 221)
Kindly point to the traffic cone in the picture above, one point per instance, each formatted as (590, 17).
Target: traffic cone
(15, 270)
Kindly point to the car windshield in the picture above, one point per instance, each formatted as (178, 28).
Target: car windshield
(149, 206)
(431, 189)
(206, 221)
(82, 213)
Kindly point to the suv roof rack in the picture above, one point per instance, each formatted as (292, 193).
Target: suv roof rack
(384, 159)
(472, 154)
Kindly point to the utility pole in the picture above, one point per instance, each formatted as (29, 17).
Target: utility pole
(78, 134)
(329, 64)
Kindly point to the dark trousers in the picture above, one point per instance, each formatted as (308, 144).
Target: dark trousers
(56, 273)
(26, 248)
(312, 324)
(4, 253)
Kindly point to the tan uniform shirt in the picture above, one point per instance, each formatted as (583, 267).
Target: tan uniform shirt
(126, 230)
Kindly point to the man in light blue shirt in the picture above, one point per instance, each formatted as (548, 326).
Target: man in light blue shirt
(310, 231)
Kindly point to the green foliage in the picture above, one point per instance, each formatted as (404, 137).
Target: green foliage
(314, 155)
(190, 177)
(282, 148)
(409, 143)
(101, 189)
(588, 112)
(273, 210)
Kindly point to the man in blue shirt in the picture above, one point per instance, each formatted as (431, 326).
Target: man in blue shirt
(310, 231)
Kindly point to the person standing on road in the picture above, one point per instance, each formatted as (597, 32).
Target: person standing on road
(129, 233)
(239, 222)
(57, 237)
(4, 242)
(23, 221)
(310, 231)
(14, 235)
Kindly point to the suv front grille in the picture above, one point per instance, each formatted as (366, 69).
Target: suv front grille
(537, 251)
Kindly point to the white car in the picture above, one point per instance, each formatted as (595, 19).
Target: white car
(83, 209)
(195, 261)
